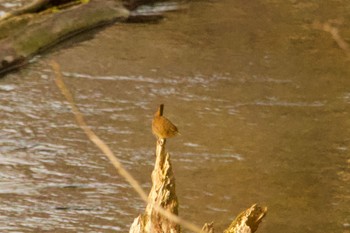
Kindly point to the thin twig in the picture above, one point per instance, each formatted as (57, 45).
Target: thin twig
(110, 155)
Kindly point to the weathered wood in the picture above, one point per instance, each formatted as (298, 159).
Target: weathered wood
(247, 221)
(34, 6)
(25, 35)
(162, 194)
(208, 227)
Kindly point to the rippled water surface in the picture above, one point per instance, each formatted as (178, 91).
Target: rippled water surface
(260, 97)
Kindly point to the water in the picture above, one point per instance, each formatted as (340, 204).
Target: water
(260, 97)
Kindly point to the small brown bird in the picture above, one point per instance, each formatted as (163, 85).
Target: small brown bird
(162, 128)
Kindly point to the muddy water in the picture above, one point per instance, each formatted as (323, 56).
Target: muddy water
(261, 99)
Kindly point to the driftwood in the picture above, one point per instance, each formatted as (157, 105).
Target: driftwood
(42, 24)
(31, 29)
(38, 6)
(163, 194)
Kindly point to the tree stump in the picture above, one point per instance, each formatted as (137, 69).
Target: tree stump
(162, 194)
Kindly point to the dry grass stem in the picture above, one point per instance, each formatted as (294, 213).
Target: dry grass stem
(328, 27)
(110, 155)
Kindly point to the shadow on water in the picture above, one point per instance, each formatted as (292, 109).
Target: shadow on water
(260, 97)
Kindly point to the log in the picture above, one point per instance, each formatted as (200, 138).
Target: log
(26, 32)
(37, 6)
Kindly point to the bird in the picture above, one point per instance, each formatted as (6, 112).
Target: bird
(162, 127)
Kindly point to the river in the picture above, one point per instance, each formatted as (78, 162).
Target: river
(261, 98)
